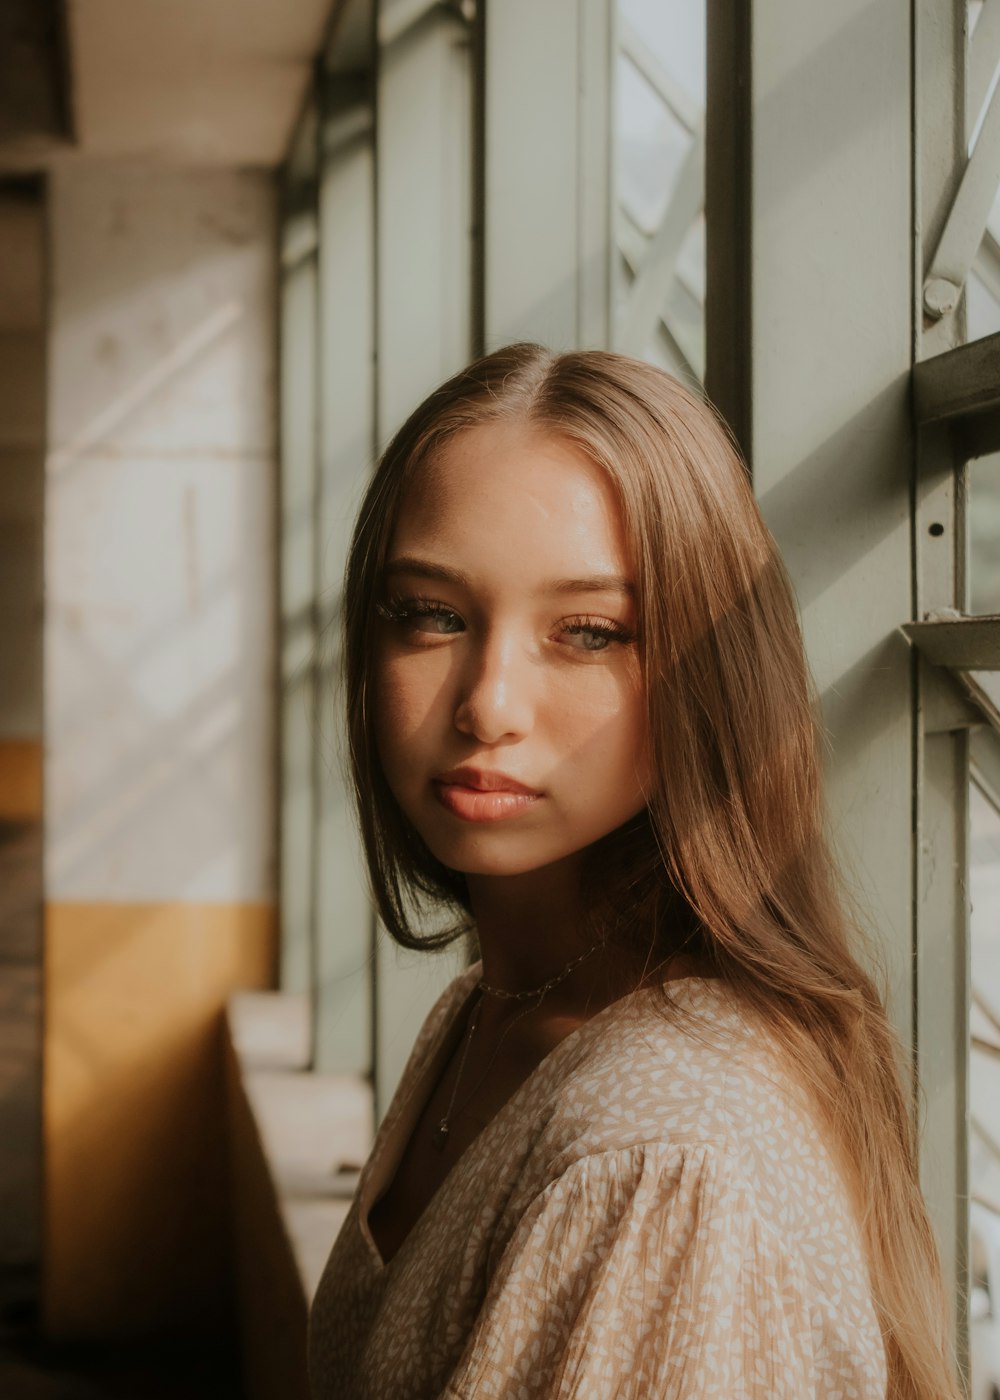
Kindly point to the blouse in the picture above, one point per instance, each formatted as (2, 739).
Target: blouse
(653, 1213)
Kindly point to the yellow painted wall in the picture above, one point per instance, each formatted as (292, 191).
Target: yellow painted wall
(20, 780)
(136, 1210)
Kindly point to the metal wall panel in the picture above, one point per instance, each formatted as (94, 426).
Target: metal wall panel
(547, 179)
(424, 270)
(822, 313)
(941, 952)
(814, 276)
(346, 301)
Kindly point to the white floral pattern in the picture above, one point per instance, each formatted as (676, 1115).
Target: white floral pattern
(652, 1214)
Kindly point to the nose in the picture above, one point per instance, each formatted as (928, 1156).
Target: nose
(495, 700)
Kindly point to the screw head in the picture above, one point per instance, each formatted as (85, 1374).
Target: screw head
(940, 296)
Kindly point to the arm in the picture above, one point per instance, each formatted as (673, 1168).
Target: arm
(644, 1273)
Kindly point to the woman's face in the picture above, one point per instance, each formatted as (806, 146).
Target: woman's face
(509, 704)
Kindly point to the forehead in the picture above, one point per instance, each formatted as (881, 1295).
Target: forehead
(516, 487)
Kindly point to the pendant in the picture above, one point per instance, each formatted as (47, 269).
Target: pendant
(439, 1137)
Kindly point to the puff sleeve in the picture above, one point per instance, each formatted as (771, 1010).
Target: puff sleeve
(646, 1272)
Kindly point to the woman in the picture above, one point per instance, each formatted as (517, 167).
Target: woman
(654, 1142)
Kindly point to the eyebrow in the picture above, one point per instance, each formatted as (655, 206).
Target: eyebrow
(441, 573)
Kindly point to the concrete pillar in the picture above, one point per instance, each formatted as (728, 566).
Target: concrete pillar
(159, 662)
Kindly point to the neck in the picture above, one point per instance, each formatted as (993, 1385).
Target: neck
(530, 926)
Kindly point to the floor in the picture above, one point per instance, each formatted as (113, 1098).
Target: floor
(30, 1368)
(33, 1369)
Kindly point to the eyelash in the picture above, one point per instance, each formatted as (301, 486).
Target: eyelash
(403, 610)
(406, 609)
(600, 627)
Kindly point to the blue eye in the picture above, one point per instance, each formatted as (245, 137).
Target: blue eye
(421, 615)
(437, 620)
(596, 634)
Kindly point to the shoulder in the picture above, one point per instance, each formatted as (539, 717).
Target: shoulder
(645, 1070)
(667, 1245)
(702, 1073)
(677, 1159)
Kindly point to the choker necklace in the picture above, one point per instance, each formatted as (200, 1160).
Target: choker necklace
(546, 986)
(440, 1134)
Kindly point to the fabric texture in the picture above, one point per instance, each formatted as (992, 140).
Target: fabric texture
(652, 1214)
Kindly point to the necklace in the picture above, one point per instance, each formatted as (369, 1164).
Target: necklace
(441, 1132)
(546, 986)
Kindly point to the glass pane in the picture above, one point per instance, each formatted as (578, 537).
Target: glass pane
(984, 1144)
(982, 292)
(983, 511)
(659, 150)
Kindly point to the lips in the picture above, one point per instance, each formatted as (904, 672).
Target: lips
(477, 796)
(479, 780)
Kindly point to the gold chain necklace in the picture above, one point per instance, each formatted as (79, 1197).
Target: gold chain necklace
(439, 1136)
(546, 986)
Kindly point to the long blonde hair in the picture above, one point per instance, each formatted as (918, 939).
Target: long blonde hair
(730, 859)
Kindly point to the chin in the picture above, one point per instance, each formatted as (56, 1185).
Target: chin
(496, 865)
(497, 859)
(484, 855)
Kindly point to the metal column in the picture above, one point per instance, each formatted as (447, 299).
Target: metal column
(343, 921)
(424, 126)
(547, 190)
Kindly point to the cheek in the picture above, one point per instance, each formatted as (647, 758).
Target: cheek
(408, 698)
(605, 730)
(632, 749)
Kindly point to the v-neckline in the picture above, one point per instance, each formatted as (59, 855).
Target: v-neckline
(382, 1166)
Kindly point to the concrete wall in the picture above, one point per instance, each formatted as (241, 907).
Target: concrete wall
(159, 726)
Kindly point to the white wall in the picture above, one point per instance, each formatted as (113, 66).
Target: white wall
(159, 546)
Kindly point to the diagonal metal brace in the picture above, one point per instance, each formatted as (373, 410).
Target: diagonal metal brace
(966, 222)
(984, 55)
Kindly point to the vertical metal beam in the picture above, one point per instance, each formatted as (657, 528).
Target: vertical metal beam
(346, 411)
(814, 280)
(810, 282)
(296, 547)
(595, 185)
(729, 227)
(943, 993)
(424, 314)
(828, 332)
(547, 180)
(477, 255)
(940, 915)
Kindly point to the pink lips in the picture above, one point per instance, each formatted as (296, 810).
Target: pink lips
(478, 796)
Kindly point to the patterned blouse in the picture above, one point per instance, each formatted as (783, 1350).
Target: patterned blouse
(651, 1214)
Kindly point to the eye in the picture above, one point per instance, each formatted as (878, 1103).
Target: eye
(594, 634)
(423, 615)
